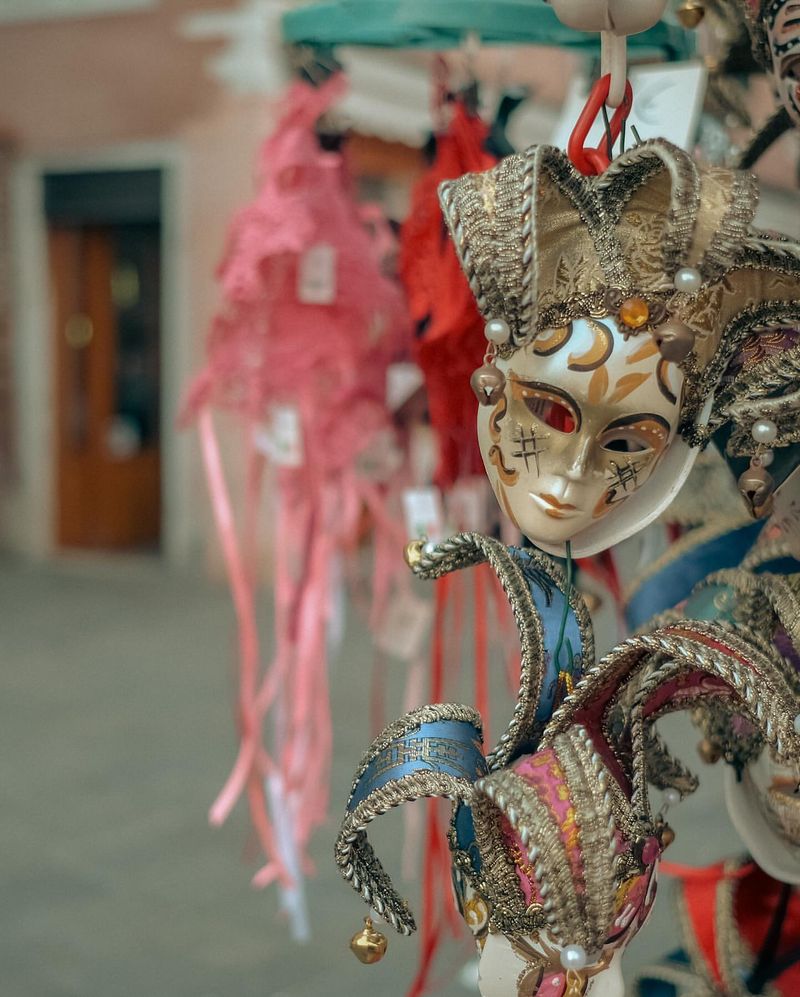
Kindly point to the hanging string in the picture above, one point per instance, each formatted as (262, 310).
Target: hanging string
(565, 674)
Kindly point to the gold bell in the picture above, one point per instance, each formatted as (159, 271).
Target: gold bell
(412, 552)
(368, 945)
(691, 13)
(667, 836)
(757, 485)
(709, 751)
(488, 383)
(675, 340)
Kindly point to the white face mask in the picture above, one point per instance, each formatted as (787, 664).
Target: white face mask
(586, 418)
(782, 21)
(765, 810)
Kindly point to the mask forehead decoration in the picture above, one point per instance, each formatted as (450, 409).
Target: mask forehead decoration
(636, 289)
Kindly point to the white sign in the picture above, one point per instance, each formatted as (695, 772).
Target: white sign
(316, 275)
(423, 514)
(786, 511)
(405, 627)
(281, 438)
(667, 101)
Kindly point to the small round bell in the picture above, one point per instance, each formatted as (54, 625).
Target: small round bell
(412, 552)
(368, 945)
(667, 836)
(691, 13)
(674, 340)
(757, 485)
(709, 751)
(488, 383)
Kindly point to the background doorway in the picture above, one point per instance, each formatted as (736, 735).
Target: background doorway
(104, 242)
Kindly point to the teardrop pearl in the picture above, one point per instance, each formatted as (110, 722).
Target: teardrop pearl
(488, 383)
(674, 340)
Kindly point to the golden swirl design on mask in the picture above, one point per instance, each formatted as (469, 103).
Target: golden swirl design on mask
(552, 340)
(497, 416)
(598, 353)
(506, 475)
(627, 384)
(661, 380)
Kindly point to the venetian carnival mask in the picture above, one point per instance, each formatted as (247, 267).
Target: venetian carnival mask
(775, 26)
(762, 790)
(614, 306)
(585, 419)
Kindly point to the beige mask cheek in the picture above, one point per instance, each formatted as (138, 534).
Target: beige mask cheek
(624, 476)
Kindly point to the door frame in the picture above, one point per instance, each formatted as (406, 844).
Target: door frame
(28, 509)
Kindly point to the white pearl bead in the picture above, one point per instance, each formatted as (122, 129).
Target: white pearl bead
(671, 796)
(797, 723)
(573, 957)
(687, 279)
(764, 431)
(497, 331)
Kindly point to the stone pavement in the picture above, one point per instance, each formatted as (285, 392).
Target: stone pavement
(115, 734)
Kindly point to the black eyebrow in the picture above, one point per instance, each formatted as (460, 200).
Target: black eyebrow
(628, 420)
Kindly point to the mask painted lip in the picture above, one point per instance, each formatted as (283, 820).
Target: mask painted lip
(553, 506)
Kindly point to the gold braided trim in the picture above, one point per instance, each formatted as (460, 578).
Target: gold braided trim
(354, 854)
(760, 685)
(765, 551)
(466, 549)
(575, 911)
(762, 600)
(682, 546)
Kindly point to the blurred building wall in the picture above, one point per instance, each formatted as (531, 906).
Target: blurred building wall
(114, 92)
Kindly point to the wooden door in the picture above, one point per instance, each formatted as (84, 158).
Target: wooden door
(106, 324)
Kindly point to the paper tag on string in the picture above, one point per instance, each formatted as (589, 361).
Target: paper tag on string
(402, 381)
(468, 504)
(424, 514)
(281, 438)
(316, 275)
(404, 627)
(786, 512)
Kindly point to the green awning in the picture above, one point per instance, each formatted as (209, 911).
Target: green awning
(443, 24)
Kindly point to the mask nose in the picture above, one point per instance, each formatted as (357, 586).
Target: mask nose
(577, 469)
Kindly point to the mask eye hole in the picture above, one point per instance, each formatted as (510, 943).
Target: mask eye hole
(625, 441)
(551, 412)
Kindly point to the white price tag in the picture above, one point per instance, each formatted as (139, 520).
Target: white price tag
(786, 511)
(468, 504)
(316, 275)
(402, 381)
(423, 513)
(405, 627)
(281, 439)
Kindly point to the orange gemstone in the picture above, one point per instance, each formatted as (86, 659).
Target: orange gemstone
(634, 312)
